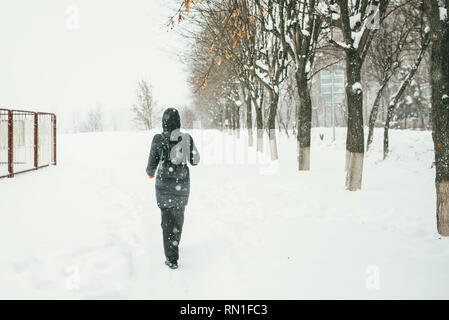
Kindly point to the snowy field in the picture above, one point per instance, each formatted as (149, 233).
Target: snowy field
(89, 228)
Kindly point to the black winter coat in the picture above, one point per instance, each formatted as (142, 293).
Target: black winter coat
(170, 151)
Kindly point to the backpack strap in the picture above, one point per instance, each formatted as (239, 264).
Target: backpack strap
(165, 150)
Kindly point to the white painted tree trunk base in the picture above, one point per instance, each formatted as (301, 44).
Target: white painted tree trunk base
(250, 138)
(297, 147)
(354, 171)
(304, 159)
(259, 143)
(443, 208)
(273, 149)
(348, 157)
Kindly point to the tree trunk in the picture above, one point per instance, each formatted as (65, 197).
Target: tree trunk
(237, 121)
(385, 100)
(355, 171)
(373, 116)
(249, 121)
(348, 158)
(354, 137)
(233, 116)
(274, 99)
(305, 122)
(279, 122)
(387, 128)
(439, 75)
(227, 122)
(442, 189)
(421, 119)
(405, 118)
(259, 125)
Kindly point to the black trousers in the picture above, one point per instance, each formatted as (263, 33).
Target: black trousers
(172, 222)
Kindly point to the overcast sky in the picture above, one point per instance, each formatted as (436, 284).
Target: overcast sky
(51, 60)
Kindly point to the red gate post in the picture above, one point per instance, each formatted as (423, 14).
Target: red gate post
(54, 139)
(36, 140)
(10, 144)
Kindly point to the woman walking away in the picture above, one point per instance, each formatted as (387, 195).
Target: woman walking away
(171, 150)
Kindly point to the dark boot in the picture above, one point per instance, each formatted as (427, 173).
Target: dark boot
(171, 265)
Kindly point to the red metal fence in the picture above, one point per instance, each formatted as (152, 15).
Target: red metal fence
(27, 141)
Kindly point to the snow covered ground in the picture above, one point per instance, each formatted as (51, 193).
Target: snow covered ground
(89, 228)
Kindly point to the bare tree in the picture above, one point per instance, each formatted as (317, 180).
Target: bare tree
(437, 14)
(143, 109)
(297, 26)
(187, 118)
(271, 65)
(357, 21)
(408, 78)
(385, 58)
(230, 38)
(94, 121)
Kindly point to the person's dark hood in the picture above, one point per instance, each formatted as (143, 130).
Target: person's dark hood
(171, 120)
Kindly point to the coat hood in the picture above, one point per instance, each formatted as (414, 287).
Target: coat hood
(171, 120)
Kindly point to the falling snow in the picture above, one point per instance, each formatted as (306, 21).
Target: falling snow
(120, 254)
